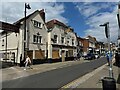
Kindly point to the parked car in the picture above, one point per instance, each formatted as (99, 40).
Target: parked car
(96, 56)
(89, 56)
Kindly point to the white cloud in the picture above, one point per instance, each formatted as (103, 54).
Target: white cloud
(15, 10)
(97, 17)
(87, 9)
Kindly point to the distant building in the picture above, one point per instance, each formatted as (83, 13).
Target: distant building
(80, 46)
(91, 45)
(100, 47)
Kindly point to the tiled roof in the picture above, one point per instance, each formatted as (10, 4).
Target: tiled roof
(91, 38)
(50, 24)
(8, 27)
(41, 14)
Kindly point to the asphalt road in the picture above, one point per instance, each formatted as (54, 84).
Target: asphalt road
(55, 78)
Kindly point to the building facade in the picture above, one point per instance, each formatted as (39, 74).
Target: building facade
(52, 40)
(9, 42)
(36, 36)
(92, 44)
(80, 46)
(62, 40)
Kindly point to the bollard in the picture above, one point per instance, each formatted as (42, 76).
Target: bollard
(108, 83)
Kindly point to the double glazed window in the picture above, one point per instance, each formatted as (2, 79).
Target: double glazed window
(37, 24)
(37, 39)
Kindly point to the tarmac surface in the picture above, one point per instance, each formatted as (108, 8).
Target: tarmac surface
(82, 82)
(93, 80)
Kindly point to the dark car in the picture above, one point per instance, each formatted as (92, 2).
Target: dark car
(89, 56)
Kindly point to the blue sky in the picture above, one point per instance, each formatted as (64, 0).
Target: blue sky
(83, 17)
(75, 19)
(78, 18)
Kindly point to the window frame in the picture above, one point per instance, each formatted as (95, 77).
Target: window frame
(62, 40)
(3, 42)
(37, 24)
(72, 42)
(55, 39)
(38, 39)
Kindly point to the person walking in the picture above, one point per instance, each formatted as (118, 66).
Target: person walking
(107, 56)
(117, 62)
(27, 63)
(75, 56)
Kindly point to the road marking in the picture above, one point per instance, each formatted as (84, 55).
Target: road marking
(82, 79)
(75, 83)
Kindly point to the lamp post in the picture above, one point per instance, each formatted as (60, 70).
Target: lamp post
(107, 32)
(6, 47)
(27, 6)
(118, 17)
(108, 83)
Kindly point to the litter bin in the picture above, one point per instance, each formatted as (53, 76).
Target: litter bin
(108, 83)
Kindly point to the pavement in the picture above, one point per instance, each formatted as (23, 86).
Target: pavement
(82, 82)
(93, 80)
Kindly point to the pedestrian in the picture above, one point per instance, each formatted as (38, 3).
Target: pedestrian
(27, 63)
(117, 58)
(75, 56)
(107, 56)
(21, 60)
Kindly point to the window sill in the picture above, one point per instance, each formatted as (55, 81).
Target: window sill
(37, 27)
(37, 43)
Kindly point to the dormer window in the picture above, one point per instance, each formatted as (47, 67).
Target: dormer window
(37, 24)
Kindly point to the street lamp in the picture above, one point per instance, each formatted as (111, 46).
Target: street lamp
(118, 17)
(27, 6)
(108, 83)
(107, 32)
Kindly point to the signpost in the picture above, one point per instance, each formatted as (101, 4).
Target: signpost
(107, 32)
(108, 83)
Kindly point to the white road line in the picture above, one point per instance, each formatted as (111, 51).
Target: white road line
(82, 79)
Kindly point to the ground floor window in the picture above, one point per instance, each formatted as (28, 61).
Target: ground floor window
(8, 56)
